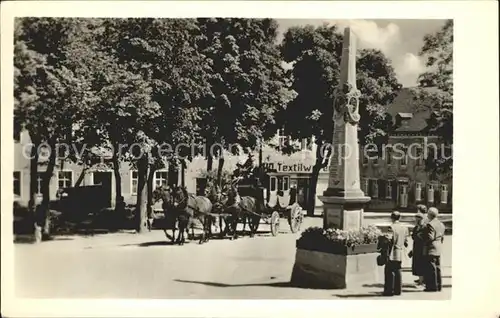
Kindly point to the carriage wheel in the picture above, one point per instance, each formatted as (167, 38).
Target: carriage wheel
(275, 223)
(295, 219)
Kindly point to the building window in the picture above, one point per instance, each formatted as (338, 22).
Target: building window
(65, 179)
(286, 183)
(134, 181)
(17, 183)
(280, 183)
(272, 185)
(374, 188)
(306, 144)
(418, 191)
(39, 179)
(281, 138)
(389, 157)
(430, 193)
(364, 186)
(375, 159)
(201, 183)
(404, 158)
(419, 156)
(444, 193)
(388, 190)
(403, 195)
(160, 178)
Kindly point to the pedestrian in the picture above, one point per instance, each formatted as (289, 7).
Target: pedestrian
(433, 241)
(392, 271)
(418, 262)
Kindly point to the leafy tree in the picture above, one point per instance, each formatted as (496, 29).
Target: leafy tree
(49, 96)
(163, 53)
(315, 54)
(247, 81)
(435, 93)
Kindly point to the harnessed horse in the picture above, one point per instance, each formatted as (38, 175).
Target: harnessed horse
(247, 207)
(190, 207)
(219, 201)
(164, 193)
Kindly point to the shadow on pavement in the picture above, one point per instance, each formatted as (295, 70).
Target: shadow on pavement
(373, 294)
(214, 284)
(382, 285)
(148, 244)
(408, 269)
(404, 286)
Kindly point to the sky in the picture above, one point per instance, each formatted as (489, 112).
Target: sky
(399, 40)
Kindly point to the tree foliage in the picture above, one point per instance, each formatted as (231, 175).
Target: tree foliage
(315, 54)
(435, 93)
(49, 95)
(248, 83)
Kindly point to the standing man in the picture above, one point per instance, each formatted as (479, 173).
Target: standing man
(392, 271)
(433, 241)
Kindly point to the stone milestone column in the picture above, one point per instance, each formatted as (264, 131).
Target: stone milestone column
(343, 201)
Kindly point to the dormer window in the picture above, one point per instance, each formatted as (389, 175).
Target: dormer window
(402, 119)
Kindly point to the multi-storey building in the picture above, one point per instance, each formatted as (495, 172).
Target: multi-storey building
(396, 178)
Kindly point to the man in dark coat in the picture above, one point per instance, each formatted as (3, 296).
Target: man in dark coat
(433, 242)
(418, 263)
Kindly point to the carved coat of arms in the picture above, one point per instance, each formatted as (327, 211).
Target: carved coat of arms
(346, 103)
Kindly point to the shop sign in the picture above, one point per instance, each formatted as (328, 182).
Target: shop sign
(293, 168)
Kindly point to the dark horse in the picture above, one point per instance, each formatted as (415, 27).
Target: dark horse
(247, 208)
(164, 193)
(189, 208)
(219, 200)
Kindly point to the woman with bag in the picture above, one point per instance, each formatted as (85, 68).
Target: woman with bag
(417, 253)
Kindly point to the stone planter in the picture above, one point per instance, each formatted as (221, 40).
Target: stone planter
(330, 266)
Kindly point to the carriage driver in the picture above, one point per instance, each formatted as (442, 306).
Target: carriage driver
(234, 185)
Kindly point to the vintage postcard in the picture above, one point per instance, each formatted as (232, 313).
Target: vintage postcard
(164, 154)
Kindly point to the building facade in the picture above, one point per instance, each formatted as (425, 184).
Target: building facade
(391, 179)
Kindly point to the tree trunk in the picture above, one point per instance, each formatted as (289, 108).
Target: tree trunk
(210, 158)
(119, 201)
(319, 164)
(260, 155)
(312, 188)
(81, 176)
(33, 188)
(183, 173)
(142, 195)
(43, 213)
(150, 186)
(219, 170)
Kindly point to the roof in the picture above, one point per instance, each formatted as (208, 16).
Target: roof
(404, 107)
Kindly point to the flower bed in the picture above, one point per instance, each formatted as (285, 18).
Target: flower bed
(343, 242)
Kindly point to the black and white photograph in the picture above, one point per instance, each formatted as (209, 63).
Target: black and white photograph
(226, 158)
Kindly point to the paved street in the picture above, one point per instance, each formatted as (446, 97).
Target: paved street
(126, 265)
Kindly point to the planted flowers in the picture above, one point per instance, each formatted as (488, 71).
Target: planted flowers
(336, 240)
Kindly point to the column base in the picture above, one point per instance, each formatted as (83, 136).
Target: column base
(315, 269)
(344, 212)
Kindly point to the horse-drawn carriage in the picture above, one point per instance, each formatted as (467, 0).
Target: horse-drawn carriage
(245, 199)
(273, 207)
